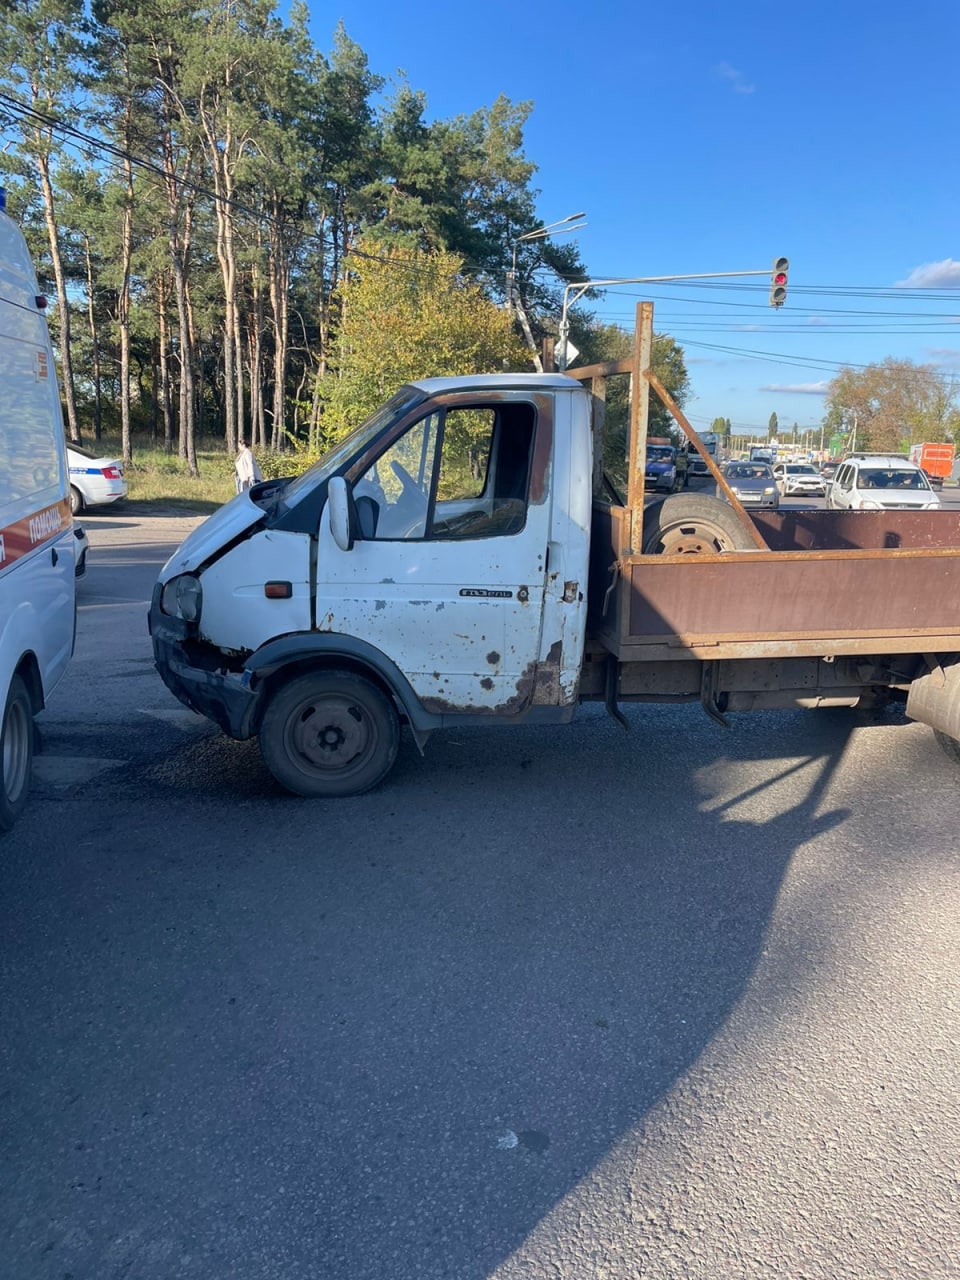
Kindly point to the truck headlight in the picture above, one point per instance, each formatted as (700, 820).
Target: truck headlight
(182, 597)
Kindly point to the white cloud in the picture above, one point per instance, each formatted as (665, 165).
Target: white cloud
(799, 388)
(751, 328)
(932, 275)
(735, 77)
(818, 320)
(944, 357)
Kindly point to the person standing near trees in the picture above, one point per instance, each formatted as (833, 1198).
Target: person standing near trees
(247, 467)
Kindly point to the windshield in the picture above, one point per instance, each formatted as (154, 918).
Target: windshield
(801, 471)
(659, 453)
(355, 443)
(890, 478)
(749, 471)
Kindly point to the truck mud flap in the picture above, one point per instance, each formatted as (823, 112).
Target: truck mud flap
(934, 699)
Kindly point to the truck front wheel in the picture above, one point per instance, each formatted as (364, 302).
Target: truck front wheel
(692, 524)
(329, 733)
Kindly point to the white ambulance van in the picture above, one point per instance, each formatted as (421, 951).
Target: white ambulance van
(37, 545)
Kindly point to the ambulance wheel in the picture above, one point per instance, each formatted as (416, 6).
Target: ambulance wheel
(692, 524)
(16, 753)
(329, 733)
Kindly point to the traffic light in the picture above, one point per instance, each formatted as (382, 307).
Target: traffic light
(778, 282)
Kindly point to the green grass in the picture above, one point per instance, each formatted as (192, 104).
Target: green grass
(158, 479)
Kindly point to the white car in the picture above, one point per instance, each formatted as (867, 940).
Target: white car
(880, 482)
(94, 480)
(798, 477)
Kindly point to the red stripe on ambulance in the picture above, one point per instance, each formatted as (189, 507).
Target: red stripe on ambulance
(32, 531)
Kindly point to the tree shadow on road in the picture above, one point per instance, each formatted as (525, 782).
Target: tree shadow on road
(386, 1036)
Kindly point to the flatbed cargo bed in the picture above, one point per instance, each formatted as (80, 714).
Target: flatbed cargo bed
(832, 583)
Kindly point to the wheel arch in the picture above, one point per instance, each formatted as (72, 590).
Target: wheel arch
(28, 669)
(288, 656)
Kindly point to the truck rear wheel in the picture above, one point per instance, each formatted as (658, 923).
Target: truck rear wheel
(329, 733)
(16, 753)
(692, 524)
(950, 746)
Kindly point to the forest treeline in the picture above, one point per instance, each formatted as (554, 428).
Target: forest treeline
(197, 183)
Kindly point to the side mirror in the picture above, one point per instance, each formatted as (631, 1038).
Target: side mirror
(338, 502)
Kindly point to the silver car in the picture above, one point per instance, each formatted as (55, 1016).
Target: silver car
(753, 483)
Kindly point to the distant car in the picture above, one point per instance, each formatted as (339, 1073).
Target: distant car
(880, 482)
(94, 480)
(753, 483)
(661, 468)
(828, 470)
(83, 546)
(798, 477)
(759, 454)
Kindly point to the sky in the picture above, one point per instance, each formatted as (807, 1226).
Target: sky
(703, 137)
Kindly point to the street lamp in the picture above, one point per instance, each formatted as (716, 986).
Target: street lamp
(557, 228)
(551, 229)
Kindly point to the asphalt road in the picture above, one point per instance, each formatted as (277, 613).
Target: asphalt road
(547, 1005)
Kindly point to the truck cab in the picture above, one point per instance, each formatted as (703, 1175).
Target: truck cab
(438, 557)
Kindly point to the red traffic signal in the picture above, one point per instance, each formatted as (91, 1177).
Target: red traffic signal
(778, 282)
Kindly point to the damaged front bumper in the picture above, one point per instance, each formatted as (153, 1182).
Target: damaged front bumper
(197, 675)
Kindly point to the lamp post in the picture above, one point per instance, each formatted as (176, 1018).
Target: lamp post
(514, 300)
(843, 419)
(551, 229)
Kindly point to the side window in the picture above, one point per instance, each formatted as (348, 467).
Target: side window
(462, 473)
(465, 456)
(393, 496)
(844, 478)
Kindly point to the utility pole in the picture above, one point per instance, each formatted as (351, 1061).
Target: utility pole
(527, 332)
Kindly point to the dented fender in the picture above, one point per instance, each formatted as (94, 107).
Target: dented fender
(328, 645)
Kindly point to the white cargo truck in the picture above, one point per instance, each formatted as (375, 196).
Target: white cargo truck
(462, 559)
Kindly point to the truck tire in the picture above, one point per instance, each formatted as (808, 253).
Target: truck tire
(692, 524)
(329, 733)
(950, 746)
(16, 753)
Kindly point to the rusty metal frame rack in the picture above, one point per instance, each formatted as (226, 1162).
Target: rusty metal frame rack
(845, 599)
